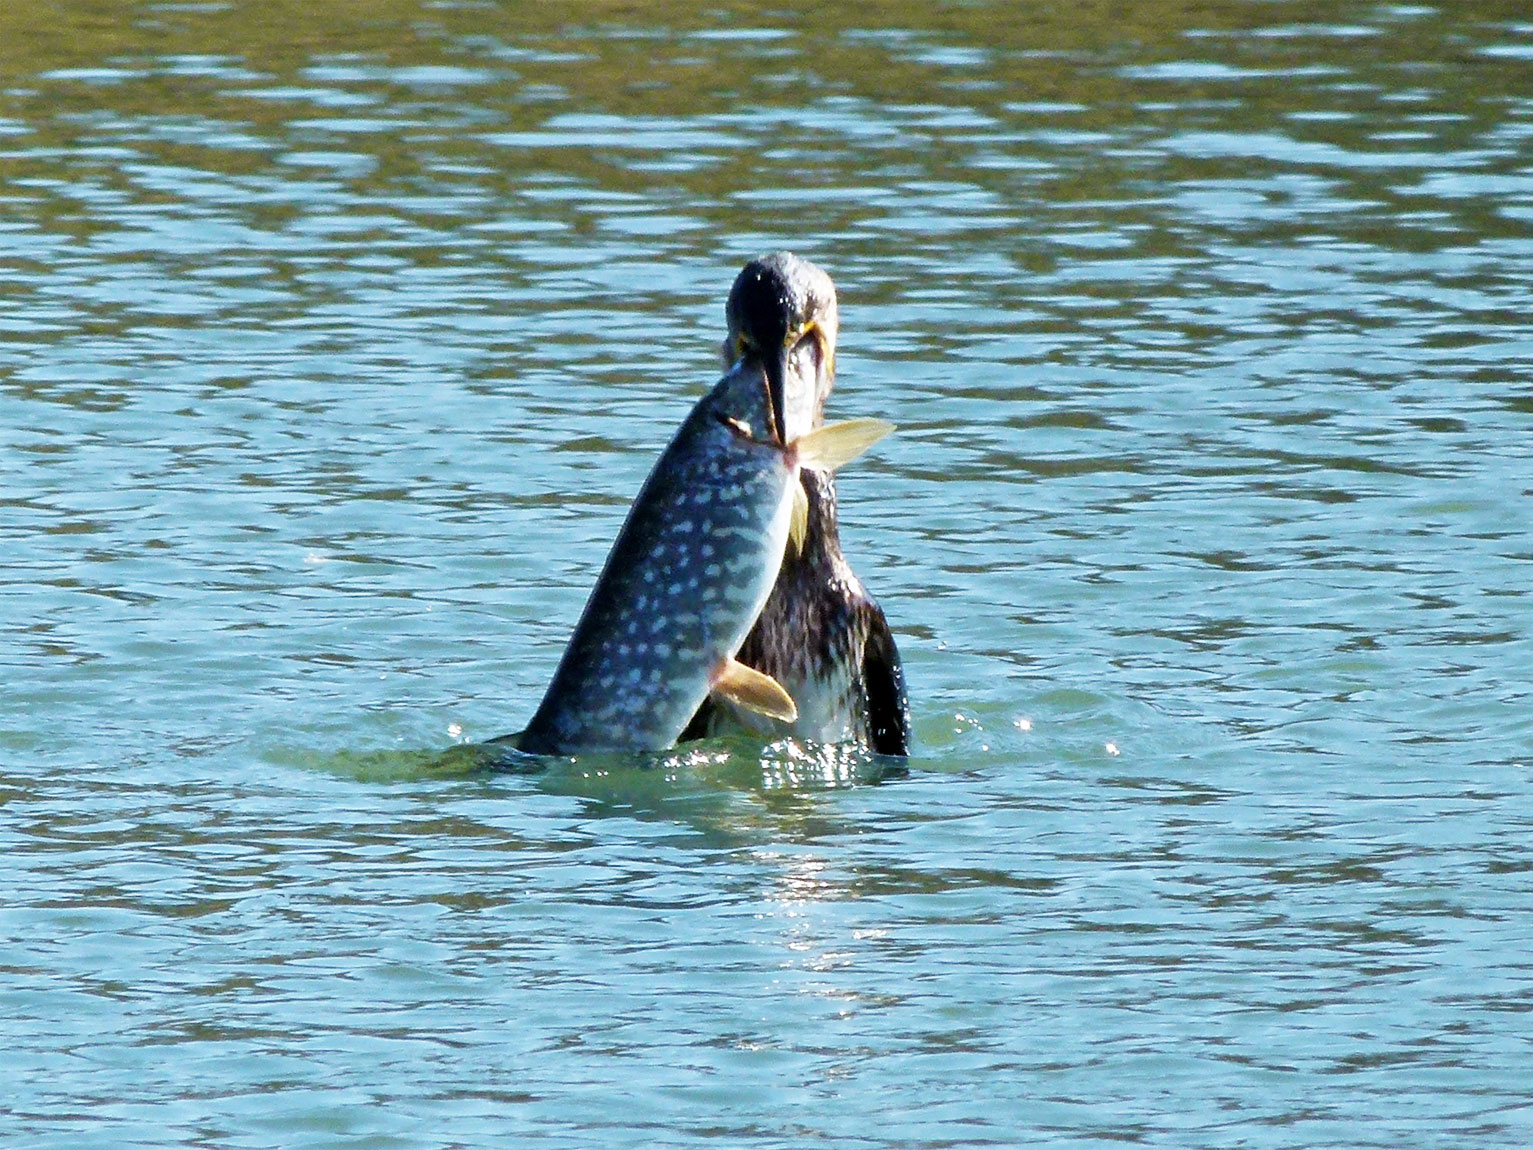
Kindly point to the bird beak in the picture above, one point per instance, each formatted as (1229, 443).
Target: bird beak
(778, 371)
(780, 378)
(796, 375)
(798, 378)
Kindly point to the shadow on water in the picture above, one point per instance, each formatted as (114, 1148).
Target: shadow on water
(732, 790)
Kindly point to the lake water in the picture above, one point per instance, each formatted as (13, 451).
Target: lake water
(337, 338)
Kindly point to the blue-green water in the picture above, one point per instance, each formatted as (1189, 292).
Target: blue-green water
(336, 339)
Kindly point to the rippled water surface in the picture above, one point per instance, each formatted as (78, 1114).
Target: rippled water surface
(338, 336)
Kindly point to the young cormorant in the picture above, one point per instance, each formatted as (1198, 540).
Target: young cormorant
(820, 635)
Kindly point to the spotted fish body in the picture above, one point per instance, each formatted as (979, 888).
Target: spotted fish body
(688, 575)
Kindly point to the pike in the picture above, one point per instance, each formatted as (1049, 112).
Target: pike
(695, 561)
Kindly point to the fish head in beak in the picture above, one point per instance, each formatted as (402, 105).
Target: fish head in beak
(782, 317)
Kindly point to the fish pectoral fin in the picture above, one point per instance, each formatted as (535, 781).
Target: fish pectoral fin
(749, 688)
(798, 525)
(837, 444)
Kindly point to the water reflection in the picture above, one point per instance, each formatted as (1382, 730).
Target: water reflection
(729, 791)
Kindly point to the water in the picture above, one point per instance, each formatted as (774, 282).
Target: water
(335, 344)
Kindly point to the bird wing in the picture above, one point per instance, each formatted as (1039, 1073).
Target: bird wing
(883, 677)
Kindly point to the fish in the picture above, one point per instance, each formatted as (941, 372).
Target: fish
(692, 566)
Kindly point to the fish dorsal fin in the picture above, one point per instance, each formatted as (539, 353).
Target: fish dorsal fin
(837, 444)
(750, 689)
(798, 525)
